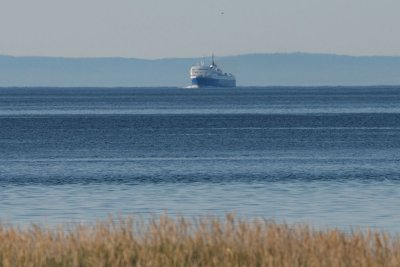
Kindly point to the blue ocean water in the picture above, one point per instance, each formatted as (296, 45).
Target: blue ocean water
(329, 156)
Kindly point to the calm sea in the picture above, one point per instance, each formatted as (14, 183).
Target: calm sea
(327, 156)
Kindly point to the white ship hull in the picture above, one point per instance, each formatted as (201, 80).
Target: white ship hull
(211, 76)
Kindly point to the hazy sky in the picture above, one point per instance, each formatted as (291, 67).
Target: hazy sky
(181, 28)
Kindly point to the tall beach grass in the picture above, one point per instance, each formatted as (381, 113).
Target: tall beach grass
(167, 241)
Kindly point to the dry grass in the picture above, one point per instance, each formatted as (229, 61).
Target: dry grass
(198, 242)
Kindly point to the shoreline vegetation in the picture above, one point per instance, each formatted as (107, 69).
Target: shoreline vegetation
(203, 241)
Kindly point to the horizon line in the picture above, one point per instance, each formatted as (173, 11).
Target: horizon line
(196, 57)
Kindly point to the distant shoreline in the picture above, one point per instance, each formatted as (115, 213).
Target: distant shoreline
(179, 87)
(292, 69)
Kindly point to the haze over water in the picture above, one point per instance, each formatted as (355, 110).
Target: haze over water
(327, 156)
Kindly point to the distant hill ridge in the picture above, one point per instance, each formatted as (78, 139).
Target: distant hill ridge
(292, 69)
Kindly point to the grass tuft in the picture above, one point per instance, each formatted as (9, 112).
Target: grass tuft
(167, 241)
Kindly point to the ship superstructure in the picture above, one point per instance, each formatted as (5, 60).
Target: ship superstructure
(211, 76)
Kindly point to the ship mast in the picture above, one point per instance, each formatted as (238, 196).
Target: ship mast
(213, 62)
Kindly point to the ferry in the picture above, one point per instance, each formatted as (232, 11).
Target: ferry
(210, 76)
